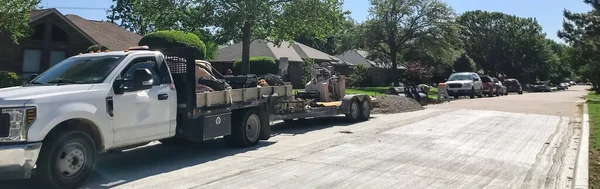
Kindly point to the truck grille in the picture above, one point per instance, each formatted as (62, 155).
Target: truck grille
(455, 85)
(4, 125)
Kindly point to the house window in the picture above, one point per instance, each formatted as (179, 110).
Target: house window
(58, 34)
(56, 57)
(38, 32)
(31, 62)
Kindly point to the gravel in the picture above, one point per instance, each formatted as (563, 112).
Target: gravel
(392, 104)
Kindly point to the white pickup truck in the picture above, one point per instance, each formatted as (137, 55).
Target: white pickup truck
(58, 122)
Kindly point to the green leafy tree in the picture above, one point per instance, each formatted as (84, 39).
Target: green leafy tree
(307, 67)
(464, 63)
(275, 20)
(14, 18)
(396, 26)
(582, 32)
(338, 43)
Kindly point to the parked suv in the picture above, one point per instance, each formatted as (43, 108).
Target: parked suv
(464, 84)
(489, 87)
(513, 85)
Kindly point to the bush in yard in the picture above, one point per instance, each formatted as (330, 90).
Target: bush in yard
(359, 76)
(10, 79)
(172, 39)
(416, 72)
(425, 88)
(97, 48)
(307, 68)
(259, 65)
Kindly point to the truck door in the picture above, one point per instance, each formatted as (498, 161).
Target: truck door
(142, 115)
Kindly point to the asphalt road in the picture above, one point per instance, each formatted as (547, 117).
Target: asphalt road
(516, 141)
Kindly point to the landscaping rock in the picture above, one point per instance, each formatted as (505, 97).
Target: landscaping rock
(391, 104)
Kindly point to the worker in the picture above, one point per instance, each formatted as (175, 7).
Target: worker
(442, 93)
(263, 83)
(228, 72)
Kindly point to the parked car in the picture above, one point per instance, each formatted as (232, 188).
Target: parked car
(513, 85)
(563, 86)
(489, 87)
(540, 87)
(500, 89)
(465, 84)
(573, 83)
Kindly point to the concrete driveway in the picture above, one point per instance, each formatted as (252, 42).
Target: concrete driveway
(517, 141)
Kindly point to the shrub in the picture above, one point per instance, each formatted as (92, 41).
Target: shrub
(464, 63)
(10, 79)
(416, 72)
(171, 39)
(307, 68)
(259, 65)
(359, 76)
(97, 48)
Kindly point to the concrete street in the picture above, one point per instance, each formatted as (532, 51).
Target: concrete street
(515, 141)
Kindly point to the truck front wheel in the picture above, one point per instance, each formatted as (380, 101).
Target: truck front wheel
(67, 160)
(245, 131)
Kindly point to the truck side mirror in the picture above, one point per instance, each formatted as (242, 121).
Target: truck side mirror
(31, 78)
(118, 87)
(142, 79)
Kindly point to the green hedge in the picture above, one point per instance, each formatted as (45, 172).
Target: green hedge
(171, 39)
(259, 65)
(10, 79)
(96, 48)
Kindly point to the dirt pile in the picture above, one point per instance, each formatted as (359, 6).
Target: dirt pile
(391, 104)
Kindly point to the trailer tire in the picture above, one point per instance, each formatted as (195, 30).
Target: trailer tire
(353, 114)
(365, 110)
(67, 160)
(246, 127)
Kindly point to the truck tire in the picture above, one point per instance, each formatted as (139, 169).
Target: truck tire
(245, 129)
(67, 160)
(365, 110)
(354, 113)
(472, 94)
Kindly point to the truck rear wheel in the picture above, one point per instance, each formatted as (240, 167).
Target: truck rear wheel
(245, 131)
(365, 110)
(354, 114)
(67, 160)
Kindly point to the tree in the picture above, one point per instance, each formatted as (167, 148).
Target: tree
(14, 18)
(338, 43)
(95, 48)
(397, 25)
(416, 72)
(359, 76)
(146, 16)
(506, 45)
(464, 63)
(582, 32)
(275, 20)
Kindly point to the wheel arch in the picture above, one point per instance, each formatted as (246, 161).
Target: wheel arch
(83, 125)
(347, 101)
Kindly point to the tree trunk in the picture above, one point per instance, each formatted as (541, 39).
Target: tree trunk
(394, 58)
(246, 40)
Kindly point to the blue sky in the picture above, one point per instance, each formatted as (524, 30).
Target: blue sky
(547, 12)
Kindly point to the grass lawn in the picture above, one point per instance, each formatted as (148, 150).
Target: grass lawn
(593, 101)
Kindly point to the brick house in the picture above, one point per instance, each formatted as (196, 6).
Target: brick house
(55, 36)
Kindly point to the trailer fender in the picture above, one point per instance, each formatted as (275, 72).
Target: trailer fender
(347, 101)
(265, 128)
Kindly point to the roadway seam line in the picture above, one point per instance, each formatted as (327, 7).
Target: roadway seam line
(581, 176)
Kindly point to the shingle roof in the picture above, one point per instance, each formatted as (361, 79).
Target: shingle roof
(356, 57)
(106, 33)
(294, 53)
(34, 14)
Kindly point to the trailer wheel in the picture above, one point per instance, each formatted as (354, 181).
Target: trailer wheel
(245, 131)
(354, 114)
(66, 160)
(365, 110)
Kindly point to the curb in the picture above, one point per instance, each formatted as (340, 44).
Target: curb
(581, 176)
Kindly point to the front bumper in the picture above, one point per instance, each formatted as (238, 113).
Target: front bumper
(17, 161)
(459, 92)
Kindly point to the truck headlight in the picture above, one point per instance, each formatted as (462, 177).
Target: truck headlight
(15, 122)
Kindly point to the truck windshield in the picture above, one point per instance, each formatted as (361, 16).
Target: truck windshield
(459, 77)
(81, 70)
